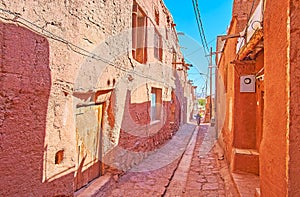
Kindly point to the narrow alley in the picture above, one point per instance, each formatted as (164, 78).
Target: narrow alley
(134, 98)
(191, 164)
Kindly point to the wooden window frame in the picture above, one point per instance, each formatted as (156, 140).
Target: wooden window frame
(158, 52)
(139, 34)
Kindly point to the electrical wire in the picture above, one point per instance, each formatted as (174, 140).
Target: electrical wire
(77, 49)
(200, 26)
(251, 10)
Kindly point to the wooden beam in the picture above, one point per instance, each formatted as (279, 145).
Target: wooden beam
(250, 46)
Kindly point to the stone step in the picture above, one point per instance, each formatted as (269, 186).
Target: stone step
(245, 160)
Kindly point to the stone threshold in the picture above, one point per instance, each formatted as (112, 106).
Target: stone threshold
(246, 151)
(95, 186)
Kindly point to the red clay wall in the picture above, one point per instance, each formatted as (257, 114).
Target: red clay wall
(242, 7)
(226, 70)
(294, 135)
(151, 135)
(244, 110)
(273, 150)
(139, 112)
(259, 99)
(239, 127)
(25, 80)
(240, 107)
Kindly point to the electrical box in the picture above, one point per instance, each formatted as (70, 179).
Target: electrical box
(247, 83)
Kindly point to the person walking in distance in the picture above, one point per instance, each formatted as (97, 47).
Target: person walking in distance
(198, 118)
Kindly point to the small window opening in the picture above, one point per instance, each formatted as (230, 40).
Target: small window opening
(59, 156)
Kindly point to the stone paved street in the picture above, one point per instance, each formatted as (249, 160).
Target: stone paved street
(208, 175)
(194, 172)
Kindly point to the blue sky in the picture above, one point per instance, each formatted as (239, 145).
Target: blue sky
(215, 15)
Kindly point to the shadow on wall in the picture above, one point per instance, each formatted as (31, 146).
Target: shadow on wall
(25, 82)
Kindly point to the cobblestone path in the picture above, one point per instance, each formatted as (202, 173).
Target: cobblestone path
(196, 172)
(204, 178)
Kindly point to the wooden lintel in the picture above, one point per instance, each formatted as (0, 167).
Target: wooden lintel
(243, 62)
(177, 63)
(254, 42)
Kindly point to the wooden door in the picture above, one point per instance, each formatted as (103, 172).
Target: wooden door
(88, 139)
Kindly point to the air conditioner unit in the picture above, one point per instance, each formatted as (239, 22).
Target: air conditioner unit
(247, 83)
